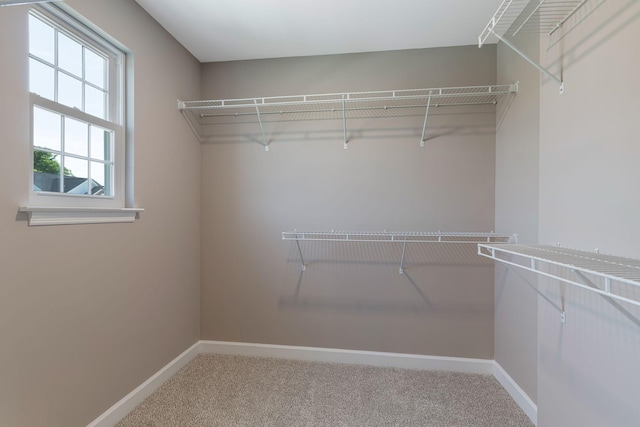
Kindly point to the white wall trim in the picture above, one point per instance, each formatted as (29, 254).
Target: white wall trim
(372, 358)
(318, 354)
(125, 405)
(518, 394)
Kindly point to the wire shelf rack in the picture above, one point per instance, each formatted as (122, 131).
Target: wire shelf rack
(611, 276)
(402, 237)
(336, 106)
(527, 16)
(397, 237)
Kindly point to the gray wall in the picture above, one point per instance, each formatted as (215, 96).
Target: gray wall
(78, 338)
(87, 313)
(517, 172)
(588, 371)
(351, 295)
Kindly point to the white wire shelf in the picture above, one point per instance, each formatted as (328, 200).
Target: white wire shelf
(336, 106)
(611, 276)
(397, 237)
(538, 16)
(403, 237)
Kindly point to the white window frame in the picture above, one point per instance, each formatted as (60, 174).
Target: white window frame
(50, 208)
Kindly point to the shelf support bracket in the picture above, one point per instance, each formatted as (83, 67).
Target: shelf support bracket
(530, 61)
(606, 294)
(426, 116)
(264, 138)
(404, 249)
(537, 291)
(533, 266)
(344, 122)
(303, 267)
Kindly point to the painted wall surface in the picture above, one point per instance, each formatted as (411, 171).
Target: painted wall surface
(517, 171)
(588, 371)
(89, 312)
(351, 294)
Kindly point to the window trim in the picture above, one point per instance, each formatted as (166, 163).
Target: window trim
(49, 208)
(38, 215)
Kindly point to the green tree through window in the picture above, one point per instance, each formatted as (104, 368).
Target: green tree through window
(46, 162)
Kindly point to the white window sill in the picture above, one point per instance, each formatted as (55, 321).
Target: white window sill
(66, 215)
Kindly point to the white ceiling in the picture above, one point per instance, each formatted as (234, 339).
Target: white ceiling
(226, 30)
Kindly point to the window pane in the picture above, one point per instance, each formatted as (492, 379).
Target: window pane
(99, 179)
(69, 55)
(94, 68)
(69, 91)
(76, 172)
(46, 172)
(41, 79)
(76, 137)
(94, 101)
(100, 143)
(41, 39)
(46, 129)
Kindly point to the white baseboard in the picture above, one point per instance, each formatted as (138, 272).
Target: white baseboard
(316, 354)
(128, 403)
(518, 394)
(372, 358)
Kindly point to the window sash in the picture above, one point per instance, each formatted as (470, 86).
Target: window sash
(61, 22)
(47, 198)
(86, 155)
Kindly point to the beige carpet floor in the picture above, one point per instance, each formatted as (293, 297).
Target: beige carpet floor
(219, 390)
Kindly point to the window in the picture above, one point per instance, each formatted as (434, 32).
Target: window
(76, 84)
